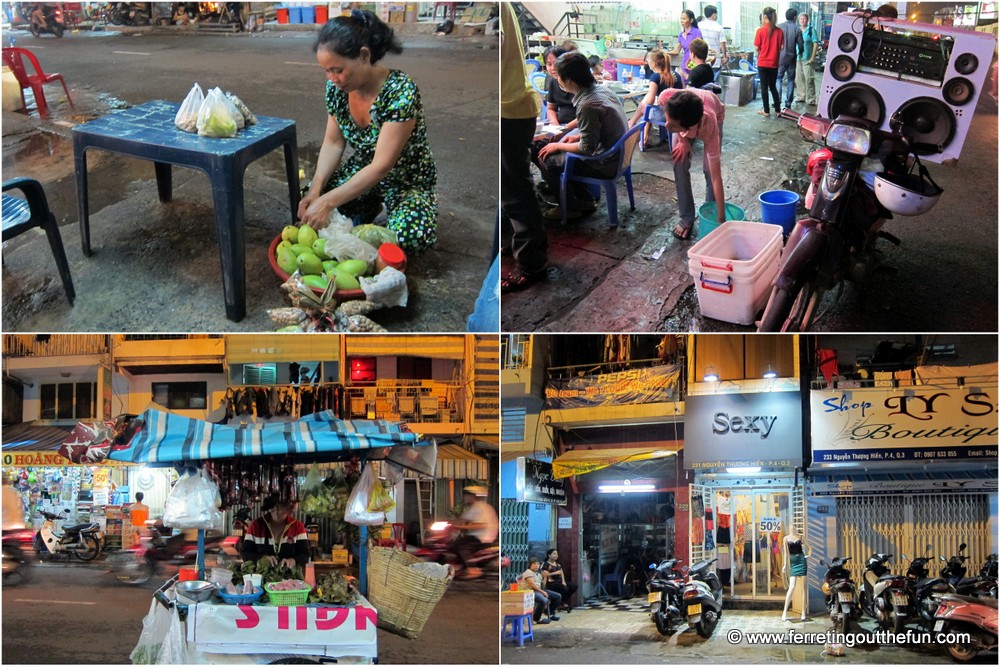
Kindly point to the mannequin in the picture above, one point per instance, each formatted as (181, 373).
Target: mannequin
(795, 558)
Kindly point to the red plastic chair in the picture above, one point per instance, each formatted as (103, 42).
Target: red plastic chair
(398, 539)
(13, 57)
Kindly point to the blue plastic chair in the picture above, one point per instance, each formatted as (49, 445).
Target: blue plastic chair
(747, 66)
(625, 147)
(20, 215)
(658, 123)
(537, 80)
(531, 61)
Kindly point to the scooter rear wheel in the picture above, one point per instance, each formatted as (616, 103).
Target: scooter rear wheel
(790, 310)
(706, 626)
(18, 570)
(90, 548)
(131, 570)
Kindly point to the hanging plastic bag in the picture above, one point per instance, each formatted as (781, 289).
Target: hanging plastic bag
(187, 116)
(214, 118)
(174, 648)
(380, 499)
(357, 511)
(154, 629)
(314, 480)
(194, 503)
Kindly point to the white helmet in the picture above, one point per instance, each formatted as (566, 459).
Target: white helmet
(907, 194)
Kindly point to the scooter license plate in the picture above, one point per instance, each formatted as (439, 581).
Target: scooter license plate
(694, 610)
(845, 597)
(939, 626)
(899, 600)
(653, 598)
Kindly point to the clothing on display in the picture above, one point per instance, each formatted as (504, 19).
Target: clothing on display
(267, 402)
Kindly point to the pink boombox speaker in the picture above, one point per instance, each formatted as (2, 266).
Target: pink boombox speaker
(927, 76)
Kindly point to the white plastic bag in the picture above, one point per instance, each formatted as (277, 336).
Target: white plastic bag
(214, 117)
(154, 629)
(194, 503)
(387, 289)
(234, 111)
(343, 246)
(174, 648)
(187, 116)
(357, 504)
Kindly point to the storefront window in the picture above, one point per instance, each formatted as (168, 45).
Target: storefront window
(181, 395)
(68, 400)
(745, 357)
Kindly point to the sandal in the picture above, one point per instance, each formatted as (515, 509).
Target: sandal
(682, 231)
(765, 114)
(518, 280)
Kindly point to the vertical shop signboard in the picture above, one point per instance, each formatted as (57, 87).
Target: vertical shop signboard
(536, 484)
(102, 486)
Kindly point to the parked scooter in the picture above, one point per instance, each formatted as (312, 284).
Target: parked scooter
(837, 241)
(954, 573)
(439, 547)
(966, 625)
(702, 598)
(16, 561)
(841, 594)
(52, 21)
(666, 585)
(159, 546)
(81, 540)
(884, 596)
(989, 571)
(923, 589)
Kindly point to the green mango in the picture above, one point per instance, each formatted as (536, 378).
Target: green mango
(290, 234)
(319, 249)
(329, 264)
(286, 244)
(299, 249)
(309, 264)
(307, 235)
(319, 282)
(286, 260)
(355, 267)
(344, 279)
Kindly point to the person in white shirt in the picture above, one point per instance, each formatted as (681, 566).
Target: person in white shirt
(482, 526)
(546, 601)
(713, 33)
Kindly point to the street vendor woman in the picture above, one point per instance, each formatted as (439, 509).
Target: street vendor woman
(376, 111)
(277, 535)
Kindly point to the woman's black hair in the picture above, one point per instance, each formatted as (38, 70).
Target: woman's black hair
(549, 553)
(553, 50)
(771, 14)
(269, 503)
(346, 35)
(690, 15)
(573, 66)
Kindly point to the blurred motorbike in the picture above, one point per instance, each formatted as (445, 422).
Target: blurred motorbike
(439, 547)
(16, 562)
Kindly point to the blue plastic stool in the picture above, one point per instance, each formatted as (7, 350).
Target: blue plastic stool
(517, 628)
(612, 579)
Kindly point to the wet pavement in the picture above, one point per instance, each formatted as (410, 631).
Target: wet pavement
(942, 278)
(627, 636)
(156, 267)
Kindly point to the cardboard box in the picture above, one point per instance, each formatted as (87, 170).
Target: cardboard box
(517, 602)
(339, 557)
(397, 17)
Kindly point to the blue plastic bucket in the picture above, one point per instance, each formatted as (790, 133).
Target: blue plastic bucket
(777, 207)
(308, 14)
(707, 220)
(295, 14)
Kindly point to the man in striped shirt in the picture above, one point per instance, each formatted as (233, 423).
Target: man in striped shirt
(601, 122)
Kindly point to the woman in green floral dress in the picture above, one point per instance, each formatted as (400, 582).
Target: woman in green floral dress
(378, 113)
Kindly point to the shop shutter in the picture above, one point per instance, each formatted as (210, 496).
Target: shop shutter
(514, 538)
(512, 429)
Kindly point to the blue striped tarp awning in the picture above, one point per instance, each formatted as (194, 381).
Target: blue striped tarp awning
(170, 438)
(34, 437)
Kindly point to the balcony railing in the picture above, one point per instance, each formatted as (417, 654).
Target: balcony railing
(427, 401)
(891, 380)
(54, 345)
(515, 351)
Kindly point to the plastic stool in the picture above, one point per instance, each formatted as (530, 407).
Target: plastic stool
(517, 628)
(612, 579)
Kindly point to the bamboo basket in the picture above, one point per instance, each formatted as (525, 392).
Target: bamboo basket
(403, 597)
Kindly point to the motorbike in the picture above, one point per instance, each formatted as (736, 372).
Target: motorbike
(989, 571)
(16, 562)
(160, 546)
(923, 589)
(954, 573)
(966, 625)
(884, 596)
(81, 540)
(439, 547)
(126, 13)
(53, 22)
(837, 242)
(666, 585)
(841, 594)
(702, 598)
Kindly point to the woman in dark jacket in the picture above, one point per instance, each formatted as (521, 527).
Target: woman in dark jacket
(277, 535)
(555, 579)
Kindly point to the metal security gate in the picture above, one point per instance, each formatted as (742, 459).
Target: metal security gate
(514, 537)
(907, 524)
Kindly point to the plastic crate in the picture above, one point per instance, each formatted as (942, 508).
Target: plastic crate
(286, 598)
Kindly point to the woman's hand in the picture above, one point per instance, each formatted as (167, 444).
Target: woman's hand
(271, 560)
(548, 149)
(289, 563)
(304, 204)
(317, 213)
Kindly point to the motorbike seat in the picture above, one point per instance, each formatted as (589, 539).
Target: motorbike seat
(699, 569)
(78, 528)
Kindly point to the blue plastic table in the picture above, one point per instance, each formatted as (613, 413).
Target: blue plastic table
(148, 132)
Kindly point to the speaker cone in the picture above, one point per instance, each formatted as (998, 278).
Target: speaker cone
(927, 121)
(842, 68)
(958, 91)
(858, 100)
(967, 63)
(847, 42)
